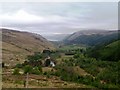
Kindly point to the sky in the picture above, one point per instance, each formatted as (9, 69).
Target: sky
(54, 18)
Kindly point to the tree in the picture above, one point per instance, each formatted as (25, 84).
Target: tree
(27, 69)
(35, 57)
(34, 60)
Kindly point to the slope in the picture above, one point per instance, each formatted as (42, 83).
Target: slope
(109, 52)
(91, 37)
(16, 45)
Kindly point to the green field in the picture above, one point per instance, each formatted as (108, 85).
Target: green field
(71, 47)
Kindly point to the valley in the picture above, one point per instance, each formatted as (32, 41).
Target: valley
(81, 61)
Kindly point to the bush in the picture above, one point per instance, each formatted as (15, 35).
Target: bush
(19, 66)
(36, 71)
(45, 73)
(87, 79)
(16, 71)
(27, 69)
(108, 76)
(35, 57)
(76, 56)
(40, 68)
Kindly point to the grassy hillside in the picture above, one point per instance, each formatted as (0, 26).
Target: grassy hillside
(108, 52)
(92, 37)
(16, 45)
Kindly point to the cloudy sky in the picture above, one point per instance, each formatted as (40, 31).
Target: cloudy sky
(59, 17)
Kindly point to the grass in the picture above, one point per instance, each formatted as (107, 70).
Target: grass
(71, 47)
(80, 71)
(35, 83)
(47, 69)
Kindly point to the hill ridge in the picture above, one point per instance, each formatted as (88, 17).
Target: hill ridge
(16, 45)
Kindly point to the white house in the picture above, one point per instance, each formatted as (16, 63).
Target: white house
(52, 63)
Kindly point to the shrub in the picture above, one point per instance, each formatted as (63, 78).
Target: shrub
(27, 69)
(76, 56)
(16, 71)
(45, 73)
(19, 66)
(40, 68)
(35, 57)
(108, 76)
(36, 70)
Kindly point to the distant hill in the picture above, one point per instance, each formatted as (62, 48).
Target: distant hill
(91, 37)
(109, 52)
(16, 45)
(56, 37)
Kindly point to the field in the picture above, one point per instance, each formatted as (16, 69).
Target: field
(71, 47)
(38, 81)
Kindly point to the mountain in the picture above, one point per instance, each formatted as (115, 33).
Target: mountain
(16, 45)
(56, 37)
(91, 37)
(109, 52)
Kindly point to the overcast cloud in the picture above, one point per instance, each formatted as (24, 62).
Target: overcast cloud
(56, 18)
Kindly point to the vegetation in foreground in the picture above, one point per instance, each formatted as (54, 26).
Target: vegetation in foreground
(77, 66)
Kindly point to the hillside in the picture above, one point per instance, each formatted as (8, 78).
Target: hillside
(16, 45)
(109, 52)
(91, 37)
